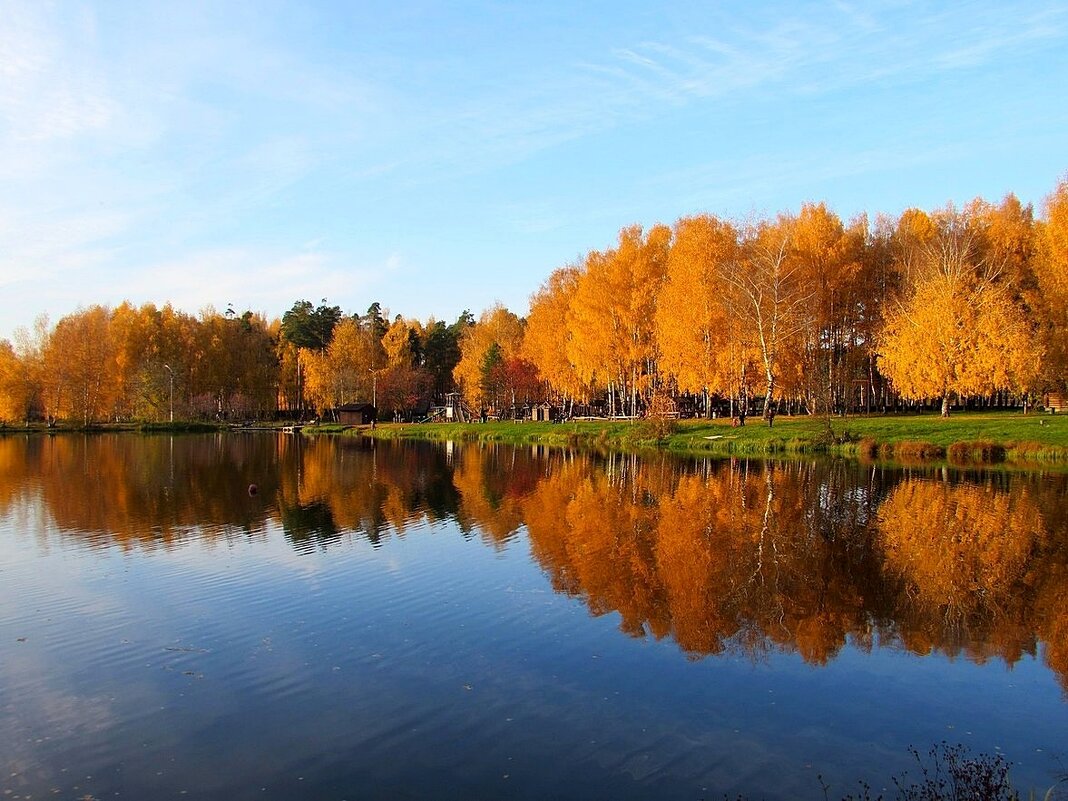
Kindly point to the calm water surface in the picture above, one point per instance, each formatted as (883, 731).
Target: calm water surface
(428, 621)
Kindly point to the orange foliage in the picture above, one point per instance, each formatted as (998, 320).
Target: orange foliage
(547, 333)
(959, 331)
(1051, 271)
(612, 318)
(496, 326)
(695, 338)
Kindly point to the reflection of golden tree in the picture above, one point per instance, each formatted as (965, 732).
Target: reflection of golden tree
(724, 560)
(721, 556)
(772, 578)
(610, 546)
(147, 492)
(1051, 614)
(543, 513)
(491, 482)
(756, 556)
(696, 561)
(372, 490)
(13, 465)
(967, 556)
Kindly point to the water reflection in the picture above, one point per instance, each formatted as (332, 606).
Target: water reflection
(720, 556)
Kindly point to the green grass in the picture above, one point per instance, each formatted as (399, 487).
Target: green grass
(327, 428)
(965, 438)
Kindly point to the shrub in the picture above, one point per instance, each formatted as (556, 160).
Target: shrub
(909, 449)
(658, 428)
(951, 773)
(980, 451)
(867, 448)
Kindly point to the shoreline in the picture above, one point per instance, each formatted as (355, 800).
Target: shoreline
(966, 439)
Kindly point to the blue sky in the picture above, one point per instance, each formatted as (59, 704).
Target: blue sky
(442, 156)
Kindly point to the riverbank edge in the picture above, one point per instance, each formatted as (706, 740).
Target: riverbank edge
(183, 427)
(964, 440)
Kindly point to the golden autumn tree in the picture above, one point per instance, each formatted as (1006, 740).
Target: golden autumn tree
(1005, 235)
(178, 347)
(234, 371)
(79, 367)
(768, 292)
(613, 315)
(1051, 273)
(397, 344)
(959, 331)
(913, 237)
(342, 373)
(14, 387)
(29, 346)
(402, 384)
(830, 257)
(696, 341)
(547, 334)
(130, 339)
(877, 287)
(495, 338)
(150, 353)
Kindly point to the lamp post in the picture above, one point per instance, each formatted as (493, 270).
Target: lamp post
(170, 372)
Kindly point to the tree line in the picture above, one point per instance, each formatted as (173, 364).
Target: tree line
(802, 312)
(808, 313)
(151, 363)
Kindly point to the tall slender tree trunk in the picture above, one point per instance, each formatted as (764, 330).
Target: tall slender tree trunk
(633, 392)
(770, 394)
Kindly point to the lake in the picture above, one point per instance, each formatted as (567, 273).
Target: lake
(411, 620)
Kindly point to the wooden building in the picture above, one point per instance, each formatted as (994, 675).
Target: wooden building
(356, 414)
(1056, 402)
(544, 412)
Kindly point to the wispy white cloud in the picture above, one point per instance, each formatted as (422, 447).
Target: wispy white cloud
(34, 247)
(809, 53)
(716, 185)
(249, 278)
(44, 94)
(212, 135)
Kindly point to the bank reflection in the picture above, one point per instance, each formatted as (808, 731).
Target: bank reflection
(141, 491)
(726, 556)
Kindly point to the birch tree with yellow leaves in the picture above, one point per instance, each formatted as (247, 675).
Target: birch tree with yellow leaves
(830, 255)
(613, 316)
(1051, 274)
(697, 342)
(958, 331)
(768, 293)
(15, 391)
(547, 334)
(341, 373)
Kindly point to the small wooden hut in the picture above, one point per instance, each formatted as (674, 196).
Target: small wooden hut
(1056, 402)
(356, 414)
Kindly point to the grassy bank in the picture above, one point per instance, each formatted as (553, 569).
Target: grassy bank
(965, 438)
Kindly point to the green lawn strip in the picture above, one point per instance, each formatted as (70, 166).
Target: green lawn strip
(965, 436)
